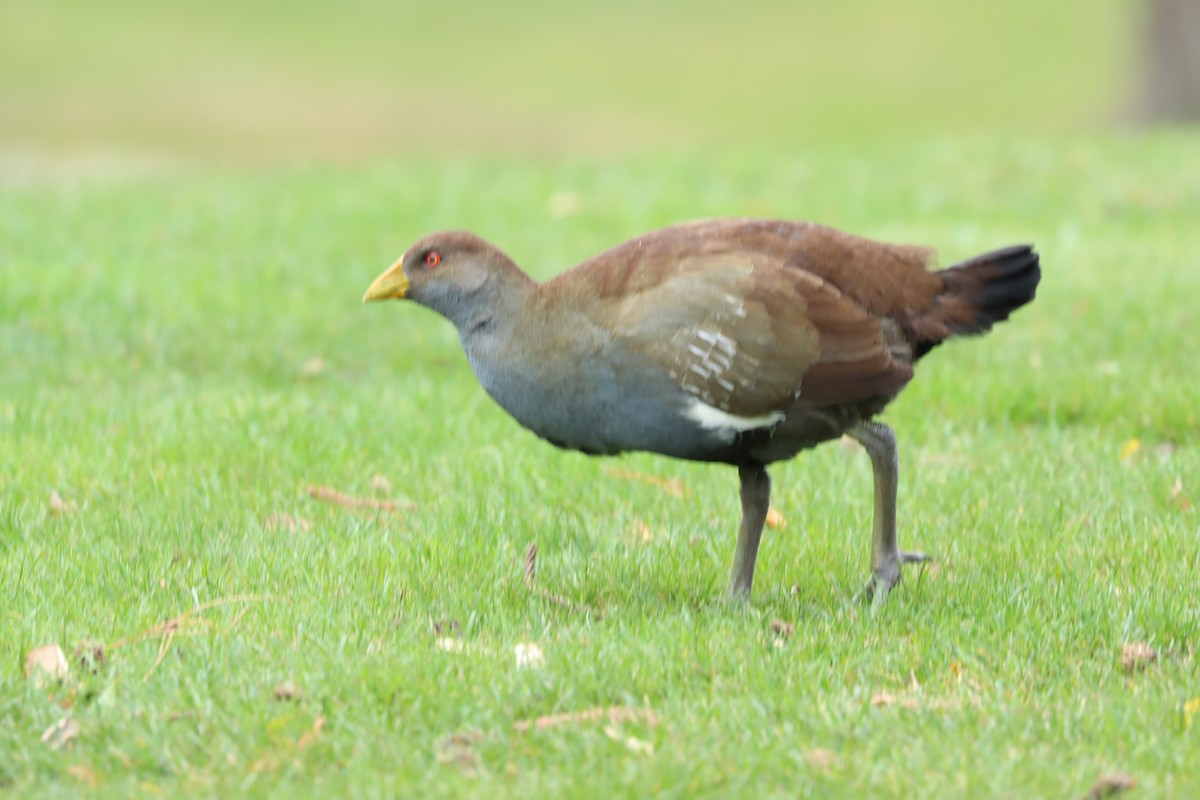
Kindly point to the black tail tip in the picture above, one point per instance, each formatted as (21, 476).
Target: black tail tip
(996, 283)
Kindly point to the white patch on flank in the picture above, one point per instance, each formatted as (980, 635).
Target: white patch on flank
(713, 354)
(739, 306)
(714, 419)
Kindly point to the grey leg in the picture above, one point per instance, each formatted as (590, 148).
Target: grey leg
(886, 556)
(756, 499)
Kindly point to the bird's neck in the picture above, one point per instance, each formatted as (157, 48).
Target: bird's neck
(489, 315)
(481, 304)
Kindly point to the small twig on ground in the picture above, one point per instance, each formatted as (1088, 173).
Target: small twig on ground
(169, 625)
(612, 714)
(531, 566)
(184, 620)
(531, 584)
(331, 495)
(672, 486)
(184, 623)
(163, 647)
(1110, 785)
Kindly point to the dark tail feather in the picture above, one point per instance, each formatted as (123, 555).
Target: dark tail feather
(978, 293)
(988, 288)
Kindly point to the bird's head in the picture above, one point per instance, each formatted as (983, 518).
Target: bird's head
(445, 272)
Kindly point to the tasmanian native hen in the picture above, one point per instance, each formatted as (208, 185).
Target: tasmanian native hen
(739, 341)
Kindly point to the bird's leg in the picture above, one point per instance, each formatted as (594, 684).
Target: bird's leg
(756, 499)
(886, 556)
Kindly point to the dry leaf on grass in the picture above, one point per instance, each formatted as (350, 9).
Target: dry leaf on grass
(380, 483)
(1136, 656)
(672, 486)
(287, 691)
(640, 533)
(61, 733)
(331, 495)
(781, 628)
(281, 752)
(313, 367)
(84, 774)
(1110, 785)
(1190, 709)
(1179, 497)
(612, 714)
(312, 734)
(776, 520)
(458, 750)
(56, 504)
(45, 664)
(187, 713)
(634, 744)
(885, 699)
(820, 759)
(286, 522)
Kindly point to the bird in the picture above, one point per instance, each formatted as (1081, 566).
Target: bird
(737, 341)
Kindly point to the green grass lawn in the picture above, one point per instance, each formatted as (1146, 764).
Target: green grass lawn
(297, 78)
(184, 353)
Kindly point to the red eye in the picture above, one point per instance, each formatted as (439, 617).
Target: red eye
(433, 258)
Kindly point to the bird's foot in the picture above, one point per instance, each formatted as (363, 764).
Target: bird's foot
(886, 575)
(738, 595)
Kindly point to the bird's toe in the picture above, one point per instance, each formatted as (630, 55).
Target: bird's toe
(886, 576)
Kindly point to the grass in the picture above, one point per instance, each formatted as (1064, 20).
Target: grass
(270, 79)
(184, 353)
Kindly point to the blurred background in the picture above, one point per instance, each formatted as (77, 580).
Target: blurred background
(269, 80)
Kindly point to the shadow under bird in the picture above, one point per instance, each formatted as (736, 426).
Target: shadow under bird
(737, 341)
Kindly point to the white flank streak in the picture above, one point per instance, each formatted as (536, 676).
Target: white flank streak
(715, 419)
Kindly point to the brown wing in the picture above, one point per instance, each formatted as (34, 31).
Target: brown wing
(886, 280)
(748, 334)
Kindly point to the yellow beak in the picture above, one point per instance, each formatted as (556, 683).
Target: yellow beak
(391, 283)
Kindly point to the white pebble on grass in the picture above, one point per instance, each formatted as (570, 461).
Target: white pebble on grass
(529, 655)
